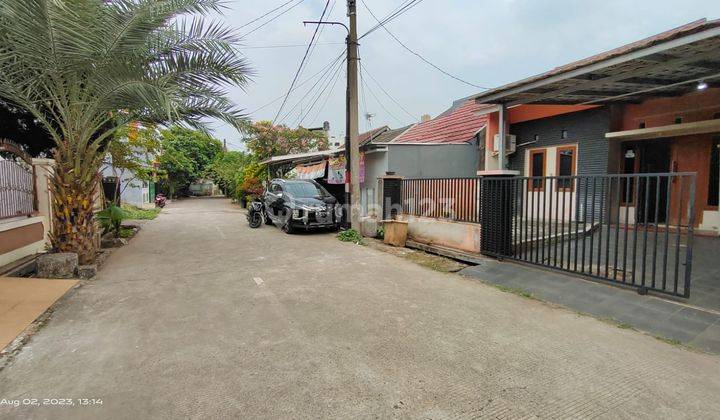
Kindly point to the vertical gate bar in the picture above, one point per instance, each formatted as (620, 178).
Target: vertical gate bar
(550, 221)
(531, 221)
(655, 237)
(592, 224)
(577, 223)
(584, 227)
(557, 218)
(668, 197)
(617, 227)
(537, 226)
(635, 226)
(645, 235)
(679, 233)
(600, 226)
(526, 222)
(562, 231)
(521, 206)
(690, 238)
(626, 233)
(542, 219)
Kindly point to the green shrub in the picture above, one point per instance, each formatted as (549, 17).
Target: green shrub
(111, 219)
(350, 235)
(136, 213)
(380, 234)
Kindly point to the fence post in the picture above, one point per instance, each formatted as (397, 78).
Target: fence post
(497, 215)
(44, 169)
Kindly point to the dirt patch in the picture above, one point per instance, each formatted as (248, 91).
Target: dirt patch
(435, 262)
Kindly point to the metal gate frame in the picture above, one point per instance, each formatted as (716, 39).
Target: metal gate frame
(515, 218)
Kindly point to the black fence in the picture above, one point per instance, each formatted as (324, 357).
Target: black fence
(634, 229)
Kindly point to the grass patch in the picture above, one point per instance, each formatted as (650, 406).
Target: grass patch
(624, 326)
(350, 235)
(519, 292)
(671, 341)
(126, 232)
(136, 213)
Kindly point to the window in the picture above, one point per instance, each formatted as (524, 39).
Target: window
(537, 168)
(563, 134)
(678, 120)
(714, 174)
(566, 164)
(642, 125)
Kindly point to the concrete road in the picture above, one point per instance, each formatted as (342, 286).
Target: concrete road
(202, 317)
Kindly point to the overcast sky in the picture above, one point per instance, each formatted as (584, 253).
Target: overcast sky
(485, 42)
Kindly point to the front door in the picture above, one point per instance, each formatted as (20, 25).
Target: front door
(654, 157)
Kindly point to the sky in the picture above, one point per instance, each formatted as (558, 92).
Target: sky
(487, 43)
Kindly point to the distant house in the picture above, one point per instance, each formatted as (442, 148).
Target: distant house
(134, 191)
(447, 146)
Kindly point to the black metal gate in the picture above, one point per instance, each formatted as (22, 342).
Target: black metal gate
(634, 229)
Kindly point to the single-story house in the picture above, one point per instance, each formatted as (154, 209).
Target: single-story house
(652, 106)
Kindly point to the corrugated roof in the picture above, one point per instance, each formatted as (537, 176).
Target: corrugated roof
(369, 136)
(494, 95)
(459, 125)
(390, 135)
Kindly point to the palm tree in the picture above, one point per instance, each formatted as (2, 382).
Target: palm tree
(85, 68)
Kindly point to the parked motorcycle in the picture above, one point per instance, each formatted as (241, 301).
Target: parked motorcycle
(255, 214)
(160, 200)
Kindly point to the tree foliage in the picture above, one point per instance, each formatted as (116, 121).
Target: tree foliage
(227, 169)
(265, 140)
(186, 156)
(85, 68)
(131, 154)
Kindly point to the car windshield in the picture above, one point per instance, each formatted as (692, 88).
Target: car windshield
(304, 190)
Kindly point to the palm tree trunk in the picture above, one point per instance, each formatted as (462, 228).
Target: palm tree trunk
(73, 198)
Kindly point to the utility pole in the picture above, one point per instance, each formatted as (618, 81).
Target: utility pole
(352, 148)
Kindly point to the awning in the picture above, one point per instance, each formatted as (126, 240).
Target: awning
(311, 171)
(675, 130)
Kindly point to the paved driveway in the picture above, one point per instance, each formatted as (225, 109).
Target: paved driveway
(202, 317)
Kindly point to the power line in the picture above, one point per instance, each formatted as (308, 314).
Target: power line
(329, 70)
(331, 82)
(387, 94)
(260, 47)
(382, 24)
(362, 90)
(302, 62)
(404, 7)
(381, 104)
(273, 19)
(262, 16)
(332, 89)
(304, 82)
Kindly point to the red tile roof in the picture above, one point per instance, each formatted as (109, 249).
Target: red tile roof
(459, 125)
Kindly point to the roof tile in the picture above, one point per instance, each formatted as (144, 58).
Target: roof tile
(458, 126)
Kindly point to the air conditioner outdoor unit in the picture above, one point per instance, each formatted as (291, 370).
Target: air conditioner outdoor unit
(510, 143)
